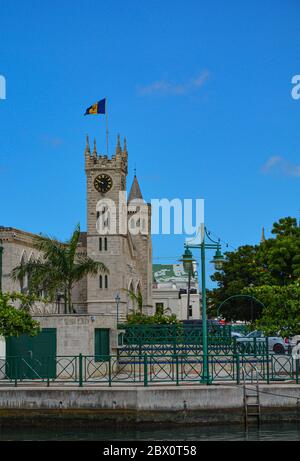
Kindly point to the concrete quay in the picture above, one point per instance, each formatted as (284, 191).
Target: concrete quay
(166, 405)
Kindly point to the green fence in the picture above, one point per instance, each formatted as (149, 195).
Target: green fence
(169, 333)
(145, 370)
(174, 338)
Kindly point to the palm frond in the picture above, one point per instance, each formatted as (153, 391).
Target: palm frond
(87, 266)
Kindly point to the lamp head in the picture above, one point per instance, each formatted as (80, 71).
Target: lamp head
(187, 260)
(218, 260)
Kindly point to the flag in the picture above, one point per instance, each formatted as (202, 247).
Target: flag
(97, 108)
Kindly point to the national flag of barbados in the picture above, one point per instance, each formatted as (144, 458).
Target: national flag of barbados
(97, 108)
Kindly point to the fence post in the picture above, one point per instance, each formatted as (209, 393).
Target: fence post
(48, 378)
(238, 379)
(109, 370)
(145, 371)
(255, 347)
(234, 345)
(177, 370)
(209, 379)
(267, 359)
(16, 371)
(80, 370)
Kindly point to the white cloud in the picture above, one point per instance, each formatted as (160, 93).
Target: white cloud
(52, 141)
(173, 88)
(277, 164)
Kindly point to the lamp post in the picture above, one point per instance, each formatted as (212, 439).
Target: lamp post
(117, 299)
(218, 262)
(187, 260)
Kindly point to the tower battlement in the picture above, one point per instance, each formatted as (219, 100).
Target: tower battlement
(94, 161)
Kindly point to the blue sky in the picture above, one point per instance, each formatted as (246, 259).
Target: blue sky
(201, 89)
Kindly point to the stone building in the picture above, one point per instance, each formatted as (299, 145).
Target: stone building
(170, 291)
(127, 255)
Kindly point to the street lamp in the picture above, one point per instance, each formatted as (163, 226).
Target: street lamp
(188, 265)
(218, 262)
(117, 299)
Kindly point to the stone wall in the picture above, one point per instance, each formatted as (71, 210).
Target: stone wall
(152, 405)
(75, 333)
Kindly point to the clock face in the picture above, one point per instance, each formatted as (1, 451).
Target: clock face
(103, 183)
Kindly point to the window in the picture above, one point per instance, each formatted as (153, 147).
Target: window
(103, 281)
(190, 311)
(159, 308)
(103, 244)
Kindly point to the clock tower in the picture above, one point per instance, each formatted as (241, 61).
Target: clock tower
(117, 249)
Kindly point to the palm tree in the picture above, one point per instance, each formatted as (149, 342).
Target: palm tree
(59, 268)
(136, 298)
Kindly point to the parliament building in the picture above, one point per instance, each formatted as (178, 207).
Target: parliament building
(127, 255)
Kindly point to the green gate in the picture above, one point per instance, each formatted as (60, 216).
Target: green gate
(102, 346)
(32, 357)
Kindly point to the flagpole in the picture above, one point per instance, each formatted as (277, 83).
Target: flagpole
(106, 115)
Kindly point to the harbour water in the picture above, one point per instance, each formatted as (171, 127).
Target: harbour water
(267, 432)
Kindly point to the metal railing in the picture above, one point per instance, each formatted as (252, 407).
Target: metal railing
(147, 369)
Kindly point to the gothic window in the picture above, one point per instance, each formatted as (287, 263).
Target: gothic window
(106, 281)
(138, 289)
(103, 244)
(100, 281)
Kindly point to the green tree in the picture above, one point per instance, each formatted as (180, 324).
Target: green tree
(137, 318)
(239, 270)
(136, 298)
(275, 262)
(60, 268)
(281, 314)
(286, 227)
(16, 321)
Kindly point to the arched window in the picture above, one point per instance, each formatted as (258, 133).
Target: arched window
(103, 244)
(103, 281)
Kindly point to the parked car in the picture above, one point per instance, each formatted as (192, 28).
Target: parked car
(295, 340)
(236, 334)
(276, 344)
